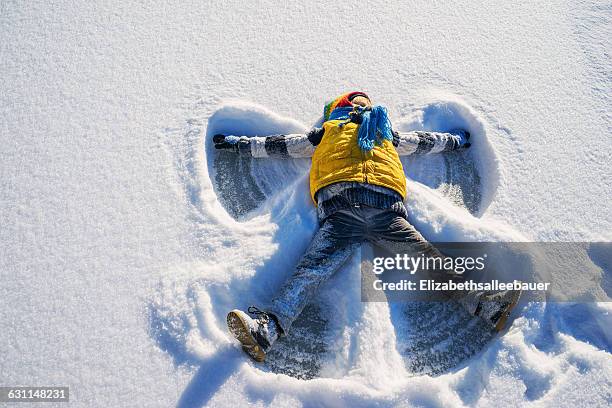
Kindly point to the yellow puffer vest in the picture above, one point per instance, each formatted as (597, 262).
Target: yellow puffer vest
(339, 158)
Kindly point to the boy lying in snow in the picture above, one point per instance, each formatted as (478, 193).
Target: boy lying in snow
(358, 185)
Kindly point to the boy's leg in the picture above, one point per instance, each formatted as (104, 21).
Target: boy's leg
(329, 249)
(394, 233)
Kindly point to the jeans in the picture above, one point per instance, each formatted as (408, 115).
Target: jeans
(333, 244)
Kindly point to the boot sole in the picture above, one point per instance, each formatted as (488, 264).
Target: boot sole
(240, 330)
(502, 321)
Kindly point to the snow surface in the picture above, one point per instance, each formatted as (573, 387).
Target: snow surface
(118, 260)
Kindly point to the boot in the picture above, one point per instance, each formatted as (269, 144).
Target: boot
(256, 334)
(496, 308)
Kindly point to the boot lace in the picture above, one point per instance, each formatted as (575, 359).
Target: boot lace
(261, 316)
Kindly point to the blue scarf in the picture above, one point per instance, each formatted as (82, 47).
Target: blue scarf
(375, 125)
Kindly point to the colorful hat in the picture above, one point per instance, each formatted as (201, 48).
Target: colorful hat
(342, 101)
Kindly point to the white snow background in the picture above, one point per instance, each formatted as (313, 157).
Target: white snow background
(107, 207)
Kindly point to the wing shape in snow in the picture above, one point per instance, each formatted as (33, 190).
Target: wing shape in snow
(243, 183)
(468, 178)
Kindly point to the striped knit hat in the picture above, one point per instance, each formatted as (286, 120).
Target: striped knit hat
(342, 101)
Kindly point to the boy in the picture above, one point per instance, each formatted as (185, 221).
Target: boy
(358, 185)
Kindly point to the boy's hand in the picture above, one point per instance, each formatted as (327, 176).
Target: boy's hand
(232, 143)
(464, 137)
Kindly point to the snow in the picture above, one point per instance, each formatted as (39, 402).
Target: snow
(119, 260)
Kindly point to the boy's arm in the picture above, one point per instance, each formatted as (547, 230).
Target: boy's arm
(418, 142)
(275, 146)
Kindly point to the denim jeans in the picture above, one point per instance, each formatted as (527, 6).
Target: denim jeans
(339, 235)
